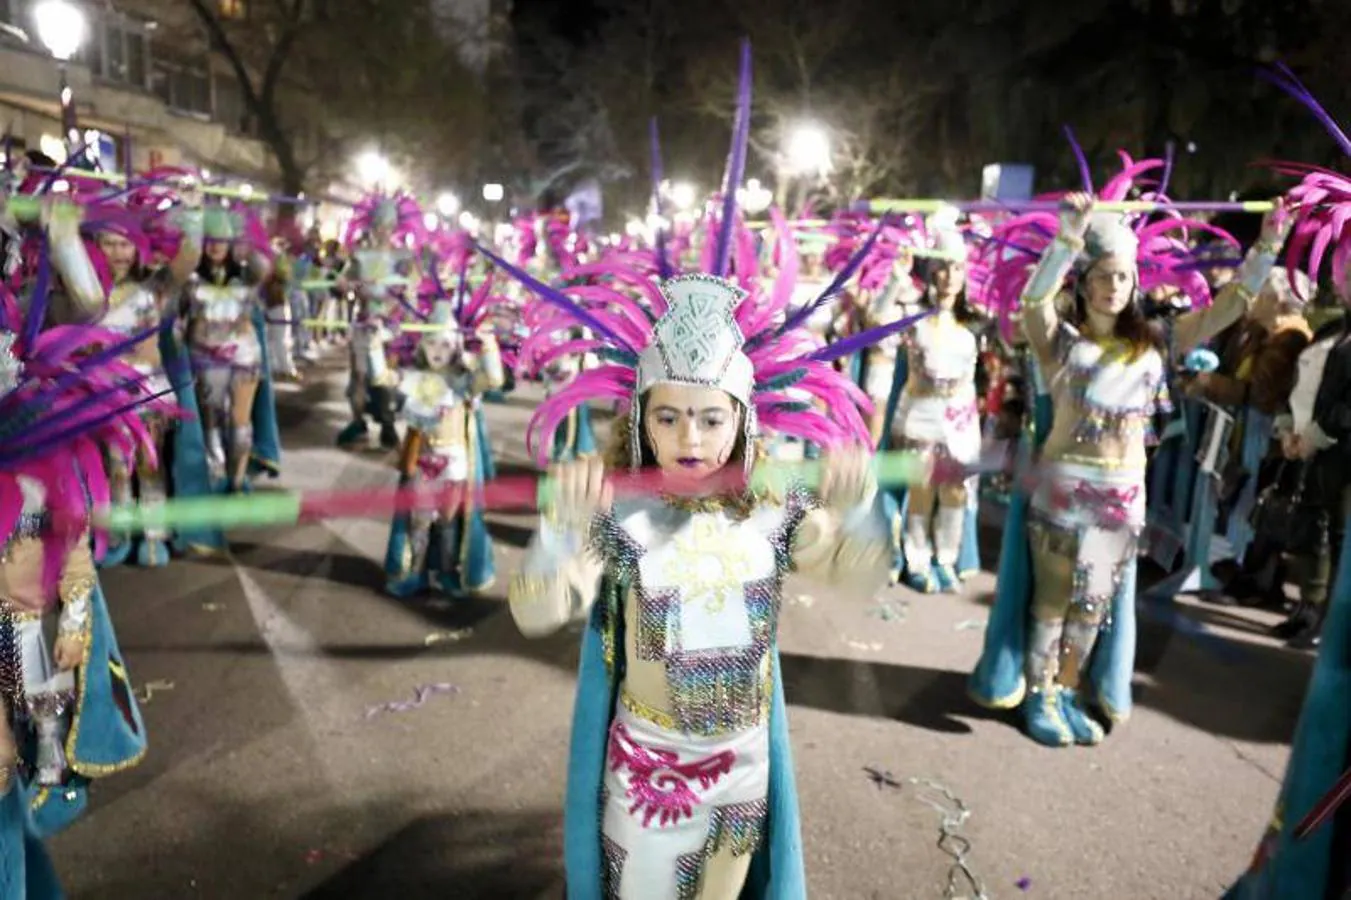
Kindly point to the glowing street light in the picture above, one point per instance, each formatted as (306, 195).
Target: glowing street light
(431, 221)
(61, 28)
(808, 150)
(373, 168)
(468, 221)
(494, 193)
(447, 204)
(682, 195)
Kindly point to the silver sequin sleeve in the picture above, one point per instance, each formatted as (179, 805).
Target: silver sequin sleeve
(557, 582)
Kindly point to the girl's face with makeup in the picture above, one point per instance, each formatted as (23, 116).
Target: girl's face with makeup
(692, 430)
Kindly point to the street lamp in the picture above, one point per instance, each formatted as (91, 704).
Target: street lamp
(373, 168)
(493, 193)
(754, 198)
(682, 195)
(62, 28)
(447, 204)
(808, 150)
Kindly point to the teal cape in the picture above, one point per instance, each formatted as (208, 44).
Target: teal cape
(998, 681)
(1320, 753)
(266, 454)
(26, 871)
(107, 734)
(776, 871)
(575, 438)
(896, 501)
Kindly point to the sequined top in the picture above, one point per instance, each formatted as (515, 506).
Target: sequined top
(1105, 393)
(222, 314)
(701, 598)
(941, 358)
(133, 308)
(21, 561)
(436, 403)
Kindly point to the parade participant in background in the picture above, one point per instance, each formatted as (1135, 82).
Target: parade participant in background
(229, 349)
(140, 298)
(385, 238)
(679, 670)
(1064, 632)
(932, 408)
(448, 551)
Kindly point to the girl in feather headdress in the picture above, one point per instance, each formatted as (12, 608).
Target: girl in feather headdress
(127, 234)
(679, 736)
(448, 551)
(1062, 633)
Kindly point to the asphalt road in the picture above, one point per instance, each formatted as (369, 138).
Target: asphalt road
(274, 771)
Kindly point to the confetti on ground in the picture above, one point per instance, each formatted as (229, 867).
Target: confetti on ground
(969, 625)
(151, 688)
(871, 647)
(890, 610)
(882, 779)
(213, 607)
(420, 695)
(447, 637)
(1024, 883)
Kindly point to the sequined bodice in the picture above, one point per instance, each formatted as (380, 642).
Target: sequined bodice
(133, 309)
(1105, 399)
(941, 360)
(222, 313)
(701, 615)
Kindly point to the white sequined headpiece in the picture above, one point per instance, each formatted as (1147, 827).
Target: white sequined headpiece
(443, 315)
(696, 342)
(1107, 235)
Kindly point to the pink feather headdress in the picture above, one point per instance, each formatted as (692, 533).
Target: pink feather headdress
(1162, 244)
(1321, 202)
(403, 211)
(716, 326)
(65, 396)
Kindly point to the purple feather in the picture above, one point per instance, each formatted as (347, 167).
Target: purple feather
(557, 298)
(795, 319)
(37, 303)
(1285, 79)
(663, 259)
(856, 342)
(736, 163)
(1085, 173)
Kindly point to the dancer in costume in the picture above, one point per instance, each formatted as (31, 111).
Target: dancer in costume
(575, 438)
(1064, 632)
(66, 692)
(679, 738)
(137, 304)
(227, 340)
(1317, 864)
(896, 299)
(384, 238)
(451, 550)
(936, 413)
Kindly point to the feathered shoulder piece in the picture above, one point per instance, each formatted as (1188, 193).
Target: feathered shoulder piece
(1321, 201)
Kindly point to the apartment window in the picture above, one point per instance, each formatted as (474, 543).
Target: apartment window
(231, 111)
(183, 88)
(233, 9)
(119, 51)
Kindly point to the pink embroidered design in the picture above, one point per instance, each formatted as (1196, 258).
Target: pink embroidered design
(659, 784)
(961, 416)
(1113, 505)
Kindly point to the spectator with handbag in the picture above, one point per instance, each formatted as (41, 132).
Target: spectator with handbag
(1317, 434)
